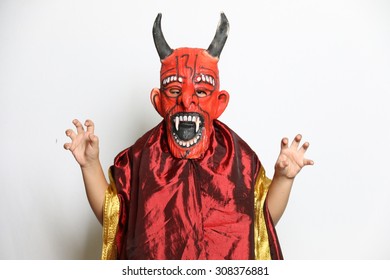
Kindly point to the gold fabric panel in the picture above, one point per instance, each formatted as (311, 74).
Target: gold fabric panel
(262, 249)
(110, 221)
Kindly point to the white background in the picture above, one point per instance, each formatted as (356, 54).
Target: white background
(320, 68)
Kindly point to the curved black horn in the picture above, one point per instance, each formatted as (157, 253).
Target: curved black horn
(220, 37)
(162, 46)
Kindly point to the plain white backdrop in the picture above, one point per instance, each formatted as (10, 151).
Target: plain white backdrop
(320, 68)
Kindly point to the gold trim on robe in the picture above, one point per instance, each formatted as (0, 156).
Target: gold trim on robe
(110, 221)
(262, 247)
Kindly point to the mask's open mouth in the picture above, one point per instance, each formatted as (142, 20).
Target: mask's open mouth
(187, 128)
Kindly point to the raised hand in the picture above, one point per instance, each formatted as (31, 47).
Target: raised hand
(84, 145)
(291, 158)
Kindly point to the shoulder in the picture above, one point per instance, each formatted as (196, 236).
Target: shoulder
(222, 129)
(150, 136)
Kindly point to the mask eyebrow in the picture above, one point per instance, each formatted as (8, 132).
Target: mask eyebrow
(206, 79)
(171, 79)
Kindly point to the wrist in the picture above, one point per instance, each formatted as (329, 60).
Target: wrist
(283, 177)
(92, 165)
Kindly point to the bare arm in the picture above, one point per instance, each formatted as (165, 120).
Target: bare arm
(85, 149)
(290, 161)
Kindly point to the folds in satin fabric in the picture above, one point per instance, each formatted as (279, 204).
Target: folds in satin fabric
(173, 208)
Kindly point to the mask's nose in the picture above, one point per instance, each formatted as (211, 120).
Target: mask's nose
(188, 97)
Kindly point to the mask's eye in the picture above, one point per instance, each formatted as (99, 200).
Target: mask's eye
(174, 91)
(201, 93)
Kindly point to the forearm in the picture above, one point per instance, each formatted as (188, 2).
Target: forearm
(278, 195)
(95, 187)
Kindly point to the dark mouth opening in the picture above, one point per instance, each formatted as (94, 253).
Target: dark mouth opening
(187, 128)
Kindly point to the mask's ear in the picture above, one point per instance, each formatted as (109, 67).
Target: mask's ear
(223, 101)
(155, 98)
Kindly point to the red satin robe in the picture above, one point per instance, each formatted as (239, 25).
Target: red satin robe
(161, 207)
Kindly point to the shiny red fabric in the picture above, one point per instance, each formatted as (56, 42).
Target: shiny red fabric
(186, 208)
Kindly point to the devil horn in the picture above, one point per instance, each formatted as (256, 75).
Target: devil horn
(162, 46)
(220, 37)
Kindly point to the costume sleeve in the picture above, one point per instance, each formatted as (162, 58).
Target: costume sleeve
(110, 221)
(266, 241)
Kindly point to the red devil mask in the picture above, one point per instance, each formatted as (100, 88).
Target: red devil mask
(189, 98)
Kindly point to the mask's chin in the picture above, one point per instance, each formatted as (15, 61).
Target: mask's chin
(186, 139)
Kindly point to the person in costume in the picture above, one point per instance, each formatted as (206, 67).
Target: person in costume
(190, 188)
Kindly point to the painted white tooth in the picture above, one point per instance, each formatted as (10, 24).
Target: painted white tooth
(197, 123)
(181, 118)
(181, 143)
(177, 121)
(188, 144)
(180, 79)
(185, 118)
(195, 140)
(192, 142)
(193, 118)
